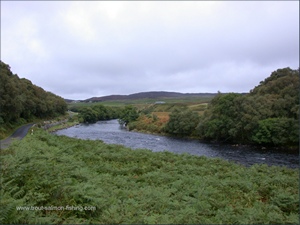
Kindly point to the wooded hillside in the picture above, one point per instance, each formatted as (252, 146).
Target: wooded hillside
(22, 101)
(269, 114)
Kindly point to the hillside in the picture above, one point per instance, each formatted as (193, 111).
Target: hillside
(268, 115)
(147, 95)
(22, 102)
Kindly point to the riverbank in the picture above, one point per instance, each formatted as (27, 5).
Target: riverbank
(62, 125)
(111, 132)
(291, 149)
(59, 123)
(120, 185)
(68, 119)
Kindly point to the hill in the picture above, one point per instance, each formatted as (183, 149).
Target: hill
(268, 115)
(22, 102)
(148, 95)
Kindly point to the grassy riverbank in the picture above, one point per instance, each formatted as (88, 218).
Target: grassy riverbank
(120, 185)
(62, 125)
(62, 122)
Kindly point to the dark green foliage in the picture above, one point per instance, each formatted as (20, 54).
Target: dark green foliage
(268, 115)
(220, 118)
(277, 131)
(138, 186)
(88, 115)
(182, 123)
(22, 101)
(167, 107)
(128, 114)
(97, 113)
(281, 90)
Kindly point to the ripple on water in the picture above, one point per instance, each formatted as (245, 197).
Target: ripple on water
(111, 133)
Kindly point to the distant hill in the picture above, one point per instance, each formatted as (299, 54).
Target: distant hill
(150, 94)
(69, 100)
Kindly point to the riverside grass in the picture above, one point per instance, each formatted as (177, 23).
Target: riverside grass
(138, 186)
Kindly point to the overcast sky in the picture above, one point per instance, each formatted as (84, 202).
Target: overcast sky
(79, 49)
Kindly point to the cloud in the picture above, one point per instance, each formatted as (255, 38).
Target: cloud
(84, 49)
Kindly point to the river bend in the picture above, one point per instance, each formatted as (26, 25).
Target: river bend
(111, 132)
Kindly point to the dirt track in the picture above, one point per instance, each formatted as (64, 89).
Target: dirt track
(18, 134)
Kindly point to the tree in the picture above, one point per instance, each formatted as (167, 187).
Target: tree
(277, 131)
(128, 114)
(220, 119)
(102, 113)
(88, 115)
(20, 99)
(182, 123)
(269, 114)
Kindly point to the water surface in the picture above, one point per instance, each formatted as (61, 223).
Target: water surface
(112, 133)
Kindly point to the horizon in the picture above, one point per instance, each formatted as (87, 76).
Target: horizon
(154, 92)
(95, 48)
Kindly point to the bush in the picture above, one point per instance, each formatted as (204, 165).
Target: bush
(128, 114)
(277, 131)
(182, 123)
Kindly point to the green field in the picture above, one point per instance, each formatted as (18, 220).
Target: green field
(147, 101)
(120, 185)
(149, 106)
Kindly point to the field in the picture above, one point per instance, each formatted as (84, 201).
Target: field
(200, 108)
(140, 103)
(62, 180)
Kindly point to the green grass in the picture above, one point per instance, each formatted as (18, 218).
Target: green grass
(198, 107)
(146, 101)
(138, 186)
(63, 126)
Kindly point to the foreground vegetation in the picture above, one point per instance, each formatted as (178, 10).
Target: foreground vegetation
(137, 186)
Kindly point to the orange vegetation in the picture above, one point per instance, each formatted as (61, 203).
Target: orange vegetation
(162, 116)
(152, 123)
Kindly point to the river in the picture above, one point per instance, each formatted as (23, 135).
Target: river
(111, 132)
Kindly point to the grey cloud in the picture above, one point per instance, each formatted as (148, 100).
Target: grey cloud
(79, 50)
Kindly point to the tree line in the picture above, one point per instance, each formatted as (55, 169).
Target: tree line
(96, 113)
(21, 101)
(92, 114)
(268, 115)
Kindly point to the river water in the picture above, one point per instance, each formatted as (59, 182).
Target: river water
(111, 132)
